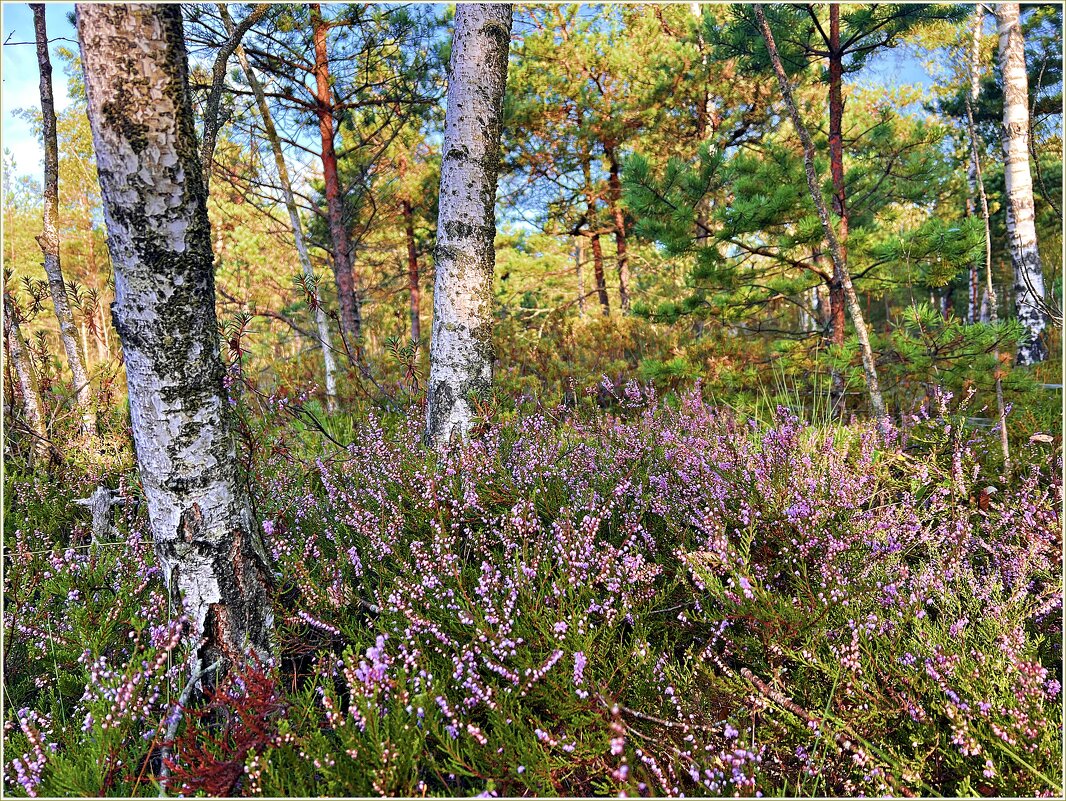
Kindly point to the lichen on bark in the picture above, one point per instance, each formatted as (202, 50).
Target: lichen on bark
(159, 235)
(461, 340)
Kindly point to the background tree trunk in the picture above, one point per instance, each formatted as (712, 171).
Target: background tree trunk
(321, 321)
(600, 275)
(837, 301)
(461, 340)
(31, 400)
(868, 365)
(1021, 216)
(155, 206)
(978, 188)
(414, 290)
(347, 302)
(614, 185)
(212, 123)
(49, 238)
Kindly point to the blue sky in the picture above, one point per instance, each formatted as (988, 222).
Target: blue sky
(20, 76)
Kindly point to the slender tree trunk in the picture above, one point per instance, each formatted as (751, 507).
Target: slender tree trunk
(705, 125)
(49, 238)
(413, 287)
(836, 167)
(31, 400)
(461, 340)
(212, 123)
(155, 205)
(1021, 219)
(979, 187)
(868, 364)
(579, 259)
(347, 302)
(614, 186)
(973, 302)
(321, 321)
(601, 278)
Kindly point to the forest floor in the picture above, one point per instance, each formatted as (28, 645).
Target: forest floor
(620, 594)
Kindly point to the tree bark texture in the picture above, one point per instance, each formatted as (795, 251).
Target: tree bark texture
(155, 207)
(868, 365)
(347, 302)
(1021, 216)
(461, 339)
(321, 321)
(49, 238)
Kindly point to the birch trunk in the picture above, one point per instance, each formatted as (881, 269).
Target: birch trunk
(1021, 219)
(988, 305)
(347, 300)
(321, 322)
(973, 302)
(155, 207)
(49, 238)
(868, 365)
(31, 401)
(461, 338)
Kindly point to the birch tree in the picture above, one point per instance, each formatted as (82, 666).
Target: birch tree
(835, 250)
(1021, 218)
(31, 400)
(49, 238)
(978, 201)
(321, 321)
(461, 337)
(155, 208)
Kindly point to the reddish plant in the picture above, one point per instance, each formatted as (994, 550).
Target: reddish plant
(239, 719)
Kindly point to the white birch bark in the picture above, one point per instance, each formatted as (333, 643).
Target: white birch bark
(461, 341)
(1021, 218)
(31, 401)
(49, 238)
(155, 207)
(973, 304)
(988, 302)
(321, 321)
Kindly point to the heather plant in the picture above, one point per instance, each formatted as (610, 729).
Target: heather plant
(649, 598)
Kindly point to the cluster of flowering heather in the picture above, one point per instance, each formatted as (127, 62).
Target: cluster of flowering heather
(657, 600)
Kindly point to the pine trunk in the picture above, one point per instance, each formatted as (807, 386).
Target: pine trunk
(461, 339)
(31, 400)
(837, 301)
(579, 259)
(49, 238)
(601, 277)
(839, 267)
(413, 285)
(322, 323)
(347, 302)
(1021, 219)
(155, 207)
(614, 186)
